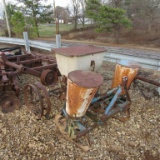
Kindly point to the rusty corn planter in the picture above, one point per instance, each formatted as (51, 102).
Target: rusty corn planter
(81, 88)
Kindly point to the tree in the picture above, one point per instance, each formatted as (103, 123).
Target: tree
(107, 18)
(146, 10)
(93, 8)
(62, 13)
(75, 10)
(18, 23)
(35, 10)
(10, 10)
(83, 12)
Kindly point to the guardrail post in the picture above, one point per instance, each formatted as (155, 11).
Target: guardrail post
(58, 40)
(25, 35)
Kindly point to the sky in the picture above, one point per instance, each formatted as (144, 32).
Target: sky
(62, 3)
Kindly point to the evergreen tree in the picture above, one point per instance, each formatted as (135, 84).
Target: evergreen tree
(36, 10)
(18, 24)
(107, 18)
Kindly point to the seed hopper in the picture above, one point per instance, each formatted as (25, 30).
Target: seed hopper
(74, 78)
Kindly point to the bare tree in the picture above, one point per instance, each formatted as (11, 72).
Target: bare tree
(115, 3)
(75, 11)
(62, 13)
(83, 12)
(146, 10)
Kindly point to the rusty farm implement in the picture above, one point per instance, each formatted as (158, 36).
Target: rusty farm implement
(73, 73)
(12, 65)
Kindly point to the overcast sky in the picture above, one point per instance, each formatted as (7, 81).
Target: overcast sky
(62, 3)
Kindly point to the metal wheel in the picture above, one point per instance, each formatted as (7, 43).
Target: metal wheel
(33, 100)
(9, 102)
(46, 103)
(48, 77)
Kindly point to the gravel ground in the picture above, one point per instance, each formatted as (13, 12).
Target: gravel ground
(23, 137)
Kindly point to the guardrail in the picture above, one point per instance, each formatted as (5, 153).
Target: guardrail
(31, 43)
(111, 55)
(145, 62)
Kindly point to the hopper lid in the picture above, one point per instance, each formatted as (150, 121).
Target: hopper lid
(86, 79)
(78, 50)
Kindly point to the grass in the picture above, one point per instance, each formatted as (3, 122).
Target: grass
(49, 30)
(1, 33)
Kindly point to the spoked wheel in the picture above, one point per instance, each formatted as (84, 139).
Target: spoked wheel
(46, 103)
(33, 100)
(9, 102)
(64, 128)
(37, 99)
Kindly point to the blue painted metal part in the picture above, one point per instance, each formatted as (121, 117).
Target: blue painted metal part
(113, 101)
(107, 94)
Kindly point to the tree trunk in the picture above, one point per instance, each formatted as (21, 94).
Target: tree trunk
(116, 36)
(83, 21)
(149, 28)
(36, 25)
(75, 23)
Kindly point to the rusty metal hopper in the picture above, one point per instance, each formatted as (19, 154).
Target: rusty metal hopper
(79, 58)
(81, 88)
(125, 68)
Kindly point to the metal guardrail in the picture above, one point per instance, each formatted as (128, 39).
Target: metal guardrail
(32, 43)
(145, 62)
(111, 55)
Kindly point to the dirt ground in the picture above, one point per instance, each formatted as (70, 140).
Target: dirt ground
(22, 137)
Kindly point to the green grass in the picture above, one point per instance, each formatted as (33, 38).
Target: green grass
(1, 33)
(49, 30)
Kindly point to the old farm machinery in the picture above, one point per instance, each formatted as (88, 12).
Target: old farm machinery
(12, 64)
(73, 73)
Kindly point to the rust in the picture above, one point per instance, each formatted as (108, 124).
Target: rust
(125, 69)
(86, 79)
(48, 77)
(79, 50)
(49, 66)
(81, 88)
(37, 99)
(63, 127)
(9, 102)
(31, 61)
(20, 57)
(15, 86)
(46, 100)
(148, 80)
(33, 100)
(44, 67)
(4, 77)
